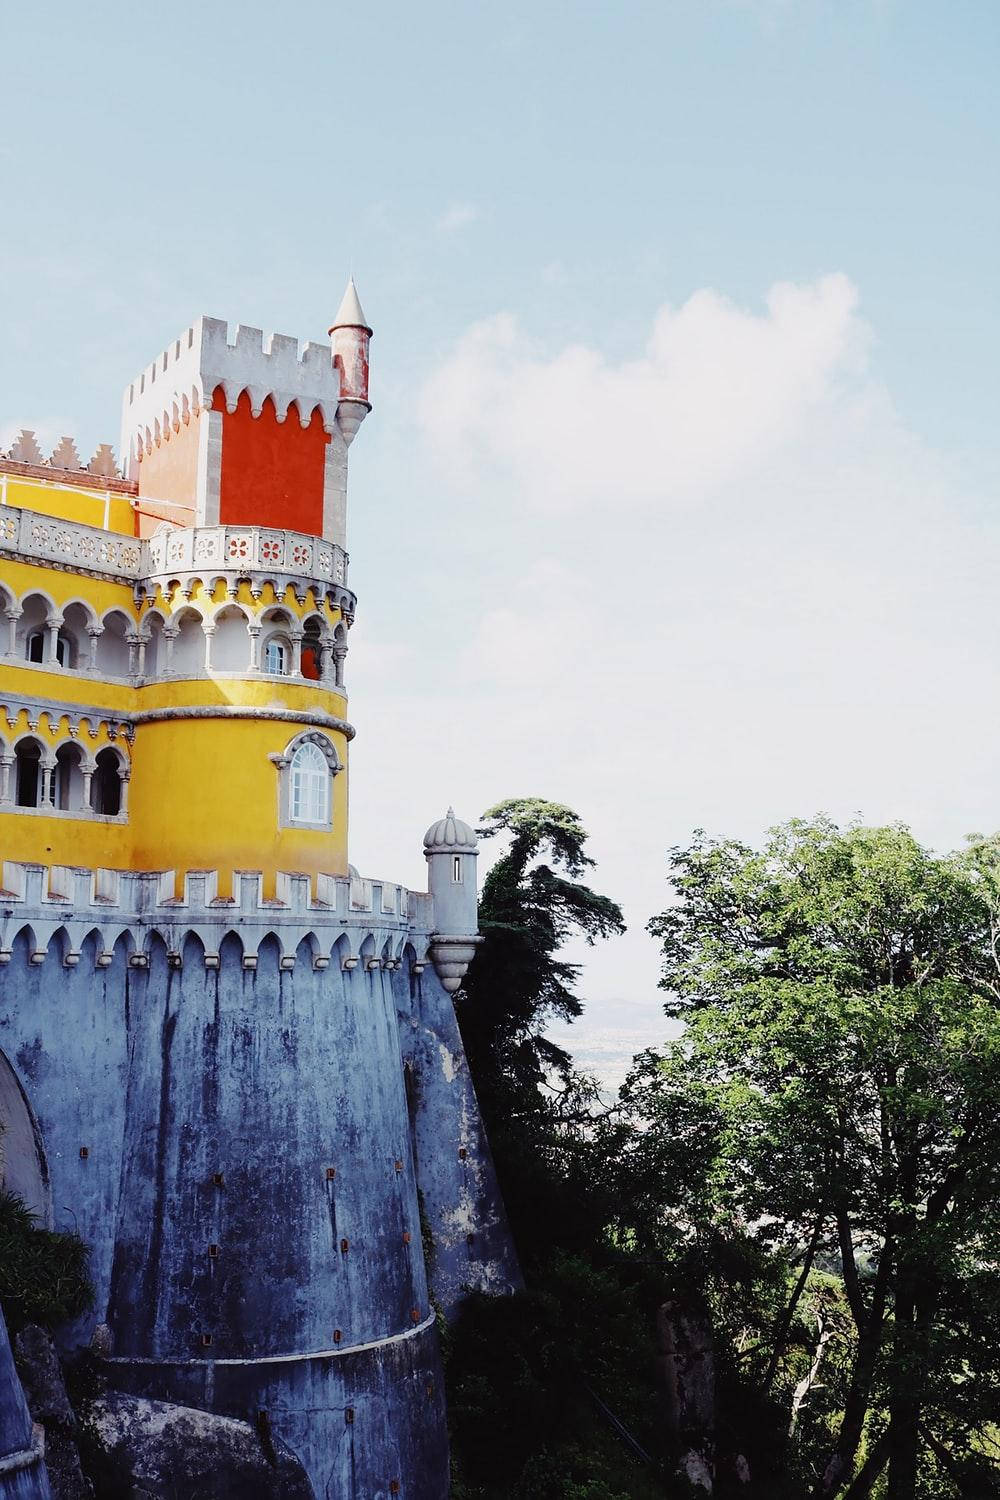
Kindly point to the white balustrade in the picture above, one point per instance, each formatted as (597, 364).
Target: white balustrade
(223, 549)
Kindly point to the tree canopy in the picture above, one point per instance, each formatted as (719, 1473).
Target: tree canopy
(837, 1084)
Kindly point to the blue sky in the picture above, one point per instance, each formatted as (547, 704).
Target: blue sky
(630, 528)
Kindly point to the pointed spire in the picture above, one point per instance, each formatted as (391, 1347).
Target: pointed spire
(349, 313)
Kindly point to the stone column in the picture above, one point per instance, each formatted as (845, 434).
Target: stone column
(296, 662)
(209, 632)
(339, 657)
(6, 761)
(13, 615)
(52, 624)
(133, 652)
(47, 790)
(170, 634)
(254, 647)
(88, 776)
(95, 632)
(123, 805)
(325, 656)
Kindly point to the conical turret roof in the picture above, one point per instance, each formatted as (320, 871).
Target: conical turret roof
(349, 313)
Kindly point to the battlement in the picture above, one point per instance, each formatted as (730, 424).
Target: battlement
(25, 456)
(184, 377)
(349, 920)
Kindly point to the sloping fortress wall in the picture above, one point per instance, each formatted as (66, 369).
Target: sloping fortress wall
(244, 1088)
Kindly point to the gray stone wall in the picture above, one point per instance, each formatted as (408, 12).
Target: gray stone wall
(246, 1150)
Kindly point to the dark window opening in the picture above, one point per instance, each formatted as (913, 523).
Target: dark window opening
(28, 758)
(106, 786)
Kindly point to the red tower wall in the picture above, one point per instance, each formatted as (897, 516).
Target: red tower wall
(272, 472)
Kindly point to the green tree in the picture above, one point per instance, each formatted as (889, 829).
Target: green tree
(837, 1083)
(532, 902)
(521, 1369)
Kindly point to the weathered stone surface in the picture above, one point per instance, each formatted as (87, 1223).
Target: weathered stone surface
(154, 1450)
(22, 1466)
(42, 1378)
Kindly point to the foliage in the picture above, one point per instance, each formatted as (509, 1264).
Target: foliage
(834, 1096)
(520, 1369)
(812, 1169)
(43, 1273)
(530, 906)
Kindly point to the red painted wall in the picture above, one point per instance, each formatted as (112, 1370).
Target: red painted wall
(272, 472)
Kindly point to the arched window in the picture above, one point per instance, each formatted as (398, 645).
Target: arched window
(311, 651)
(28, 789)
(276, 656)
(309, 800)
(69, 778)
(106, 784)
(230, 641)
(36, 646)
(113, 655)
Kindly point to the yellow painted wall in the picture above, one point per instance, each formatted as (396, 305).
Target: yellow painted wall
(204, 795)
(21, 579)
(203, 792)
(103, 508)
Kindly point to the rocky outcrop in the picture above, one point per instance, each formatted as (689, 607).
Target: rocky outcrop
(22, 1466)
(154, 1450)
(42, 1378)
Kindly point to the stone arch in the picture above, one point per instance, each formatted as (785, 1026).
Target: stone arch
(32, 630)
(107, 787)
(113, 657)
(92, 947)
(366, 952)
(23, 1168)
(59, 946)
(189, 645)
(230, 643)
(31, 758)
(154, 622)
(270, 954)
(315, 633)
(79, 621)
(342, 954)
(277, 640)
(231, 950)
(307, 951)
(191, 949)
(70, 783)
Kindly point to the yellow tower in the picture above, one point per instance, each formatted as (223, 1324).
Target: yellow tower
(173, 639)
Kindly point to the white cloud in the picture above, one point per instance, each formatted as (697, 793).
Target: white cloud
(717, 583)
(715, 393)
(457, 216)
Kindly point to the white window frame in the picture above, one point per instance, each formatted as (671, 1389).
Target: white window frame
(277, 643)
(309, 786)
(300, 803)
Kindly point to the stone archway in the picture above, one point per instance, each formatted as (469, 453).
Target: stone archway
(22, 1161)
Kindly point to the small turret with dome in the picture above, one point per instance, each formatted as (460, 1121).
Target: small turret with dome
(449, 833)
(450, 851)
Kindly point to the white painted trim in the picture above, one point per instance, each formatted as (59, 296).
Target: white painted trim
(338, 1351)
